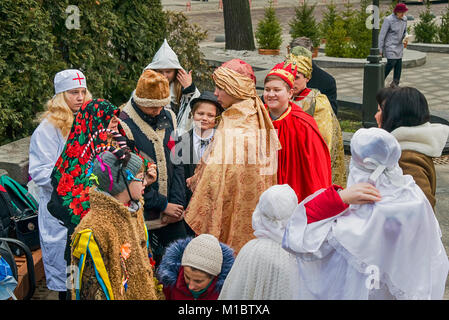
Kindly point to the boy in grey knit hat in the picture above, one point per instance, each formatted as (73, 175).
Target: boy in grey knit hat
(117, 177)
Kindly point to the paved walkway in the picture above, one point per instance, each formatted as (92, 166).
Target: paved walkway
(432, 79)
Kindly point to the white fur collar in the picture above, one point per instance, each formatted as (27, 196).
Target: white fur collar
(428, 138)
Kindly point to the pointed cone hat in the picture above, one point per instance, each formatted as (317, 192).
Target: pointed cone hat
(165, 58)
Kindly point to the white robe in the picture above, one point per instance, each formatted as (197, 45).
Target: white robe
(262, 269)
(391, 249)
(47, 144)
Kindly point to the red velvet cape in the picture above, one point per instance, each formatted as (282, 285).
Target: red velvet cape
(304, 161)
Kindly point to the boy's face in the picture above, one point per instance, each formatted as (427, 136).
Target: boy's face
(204, 115)
(136, 188)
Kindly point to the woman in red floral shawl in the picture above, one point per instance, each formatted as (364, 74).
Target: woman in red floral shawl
(69, 201)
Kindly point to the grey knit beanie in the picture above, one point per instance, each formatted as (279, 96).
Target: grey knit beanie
(203, 253)
(101, 171)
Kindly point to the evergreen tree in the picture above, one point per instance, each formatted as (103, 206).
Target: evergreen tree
(27, 66)
(304, 24)
(329, 18)
(348, 16)
(443, 30)
(269, 30)
(336, 45)
(426, 29)
(360, 35)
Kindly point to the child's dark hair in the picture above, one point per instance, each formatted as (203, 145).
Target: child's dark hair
(405, 107)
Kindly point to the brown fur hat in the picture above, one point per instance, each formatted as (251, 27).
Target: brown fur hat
(152, 90)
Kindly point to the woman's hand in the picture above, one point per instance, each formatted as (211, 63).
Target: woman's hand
(360, 193)
(184, 78)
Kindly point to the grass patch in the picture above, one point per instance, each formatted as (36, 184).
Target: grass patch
(350, 125)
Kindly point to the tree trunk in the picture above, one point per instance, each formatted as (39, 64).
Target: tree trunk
(238, 25)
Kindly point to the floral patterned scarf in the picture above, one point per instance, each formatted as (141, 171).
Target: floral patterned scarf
(70, 197)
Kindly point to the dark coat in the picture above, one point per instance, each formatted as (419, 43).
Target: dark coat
(147, 137)
(171, 274)
(188, 158)
(155, 202)
(324, 82)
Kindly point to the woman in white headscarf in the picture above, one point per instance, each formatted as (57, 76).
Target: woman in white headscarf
(389, 249)
(262, 269)
(182, 88)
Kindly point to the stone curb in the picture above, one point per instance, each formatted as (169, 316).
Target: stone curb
(411, 59)
(429, 47)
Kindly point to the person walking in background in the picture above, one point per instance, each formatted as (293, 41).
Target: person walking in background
(46, 145)
(392, 38)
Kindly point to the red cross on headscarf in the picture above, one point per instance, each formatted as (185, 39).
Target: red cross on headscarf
(79, 79)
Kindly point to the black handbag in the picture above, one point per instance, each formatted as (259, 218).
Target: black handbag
(26, 228)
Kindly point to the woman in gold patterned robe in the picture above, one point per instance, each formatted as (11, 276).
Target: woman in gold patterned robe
(239, 165)
(318, 106)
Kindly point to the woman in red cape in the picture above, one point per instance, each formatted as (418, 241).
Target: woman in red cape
(304, 161)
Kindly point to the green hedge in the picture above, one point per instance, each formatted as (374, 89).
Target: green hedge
(115, 40)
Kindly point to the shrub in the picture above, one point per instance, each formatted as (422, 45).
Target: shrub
(88, 47)
(184, 39)
(115, 41)
(426, 29)
(304, 24)
(269, 30)
(27, 66)
(139, 32)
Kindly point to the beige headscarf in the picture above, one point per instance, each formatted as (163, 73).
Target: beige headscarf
(302, 58)
(237, 78)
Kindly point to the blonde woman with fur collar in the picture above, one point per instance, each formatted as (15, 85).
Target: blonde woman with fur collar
(47, 143)
(404, 113)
